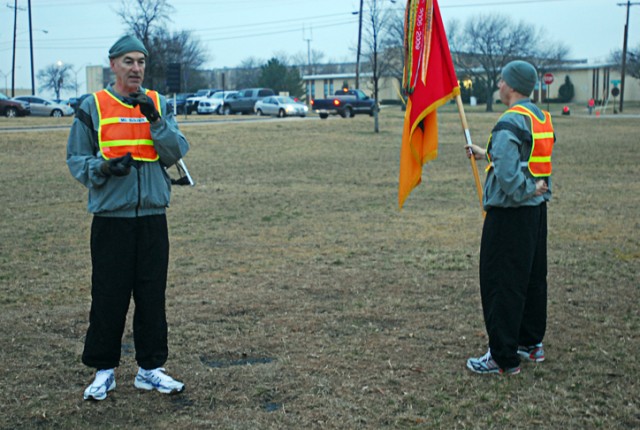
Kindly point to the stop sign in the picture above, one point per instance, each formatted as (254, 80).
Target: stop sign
(548, 78)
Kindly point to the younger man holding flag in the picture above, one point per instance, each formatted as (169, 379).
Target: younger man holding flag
(513, 249)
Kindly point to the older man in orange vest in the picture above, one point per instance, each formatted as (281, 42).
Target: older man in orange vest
(513, 250)
(121, 141)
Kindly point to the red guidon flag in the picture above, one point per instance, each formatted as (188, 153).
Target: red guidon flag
(430, 81)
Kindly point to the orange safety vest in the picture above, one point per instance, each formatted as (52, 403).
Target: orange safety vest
(543, 138)
(123, 128)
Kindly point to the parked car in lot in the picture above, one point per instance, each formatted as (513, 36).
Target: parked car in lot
(245, 100)
(281, 106)
(44, 107)
(181, 102)
(75, 102)
(214, 103)
(12, 108)
(192, 102)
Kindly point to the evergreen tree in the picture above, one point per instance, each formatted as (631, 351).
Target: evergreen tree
(566, 91)
(277, 76)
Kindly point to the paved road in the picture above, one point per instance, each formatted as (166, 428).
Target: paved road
(26, 129)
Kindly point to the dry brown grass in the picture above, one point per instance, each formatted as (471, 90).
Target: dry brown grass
(300, 297)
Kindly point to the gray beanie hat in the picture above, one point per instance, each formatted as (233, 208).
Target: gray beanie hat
(521, 76)
(127, 44)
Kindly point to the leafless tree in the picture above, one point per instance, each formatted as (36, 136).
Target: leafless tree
(148, 21)
(309, 62)
(633, 61)
(248, 73)
(488, 42)
(378, 19)
(179, 47)
(56, 78)
(393, 45)
(143, 17)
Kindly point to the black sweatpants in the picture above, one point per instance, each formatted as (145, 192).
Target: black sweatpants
(130, 256)
(513, 279)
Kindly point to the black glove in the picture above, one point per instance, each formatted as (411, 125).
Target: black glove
(147, 107)
(120, 166)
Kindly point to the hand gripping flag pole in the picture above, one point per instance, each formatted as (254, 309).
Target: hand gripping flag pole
(429, 81)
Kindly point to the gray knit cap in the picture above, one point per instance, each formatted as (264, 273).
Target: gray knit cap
(521, 76)
(127, 44)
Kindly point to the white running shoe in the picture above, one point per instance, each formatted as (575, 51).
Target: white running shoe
(104, 382)
(157, 379)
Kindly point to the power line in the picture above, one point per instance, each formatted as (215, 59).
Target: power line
(501, 3)
(54, 43)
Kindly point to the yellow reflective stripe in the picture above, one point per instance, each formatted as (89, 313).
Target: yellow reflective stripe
(157, 100)
(95, 97)
(123, 120)
(109, 121)
(133, 142)
(539, 159)
(545, 135)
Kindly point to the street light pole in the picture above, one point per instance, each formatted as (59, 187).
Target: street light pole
(624, 51)
(359, 45)
(13, 67)
(6, 85)
(75, 72)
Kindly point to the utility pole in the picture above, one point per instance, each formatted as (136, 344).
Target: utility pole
(624, 51)
(307, 89)
(359, 45)
(13, 66)
(308, 40)
(33, 81)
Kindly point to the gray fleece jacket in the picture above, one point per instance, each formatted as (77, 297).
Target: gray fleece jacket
(147, 188)
(508, 184)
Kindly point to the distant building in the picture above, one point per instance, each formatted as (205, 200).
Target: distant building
(95, 78)
(589, 80)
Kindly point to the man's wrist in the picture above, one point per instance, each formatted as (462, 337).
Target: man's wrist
(104, 169)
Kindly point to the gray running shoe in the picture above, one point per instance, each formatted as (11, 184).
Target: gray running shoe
(534, 353)
(486, 365)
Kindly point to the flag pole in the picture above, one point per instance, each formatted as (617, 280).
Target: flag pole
(467, 136)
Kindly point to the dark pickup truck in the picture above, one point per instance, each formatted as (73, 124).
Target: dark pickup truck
(344, 103)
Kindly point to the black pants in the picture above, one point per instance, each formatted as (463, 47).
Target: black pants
(513, 279)
(130, 256)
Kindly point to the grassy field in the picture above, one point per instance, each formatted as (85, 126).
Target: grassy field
(300, 297)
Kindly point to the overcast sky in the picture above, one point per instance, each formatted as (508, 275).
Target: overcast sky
(80, 32)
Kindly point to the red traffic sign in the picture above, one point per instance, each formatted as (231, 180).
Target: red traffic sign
(547, 78)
